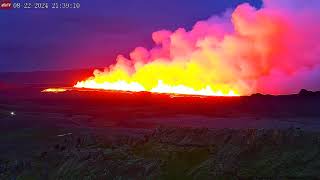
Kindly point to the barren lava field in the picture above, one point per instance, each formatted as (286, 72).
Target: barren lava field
(99, 134)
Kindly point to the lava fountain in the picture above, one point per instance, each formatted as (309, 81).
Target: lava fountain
(273, 49)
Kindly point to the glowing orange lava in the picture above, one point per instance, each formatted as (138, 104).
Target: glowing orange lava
(159, 88)
(54, 90)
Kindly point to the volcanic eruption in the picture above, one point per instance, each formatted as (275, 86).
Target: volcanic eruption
(274, 49)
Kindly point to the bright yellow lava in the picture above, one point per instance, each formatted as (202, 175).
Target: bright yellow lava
(159, 88)
(54, 90)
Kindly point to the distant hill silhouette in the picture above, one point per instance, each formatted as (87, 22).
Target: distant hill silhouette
(64, 78)
(304, 92)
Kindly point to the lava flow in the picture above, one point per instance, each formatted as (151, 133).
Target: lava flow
(54, 90)
(159, 88)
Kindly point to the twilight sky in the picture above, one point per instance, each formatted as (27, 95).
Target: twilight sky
(95, 34)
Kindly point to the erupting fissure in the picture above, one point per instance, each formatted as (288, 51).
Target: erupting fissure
(160, 88)
(274, 50)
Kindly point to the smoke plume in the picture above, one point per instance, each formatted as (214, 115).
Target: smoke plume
(274, 50)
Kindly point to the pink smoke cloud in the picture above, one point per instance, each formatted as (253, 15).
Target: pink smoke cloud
(274, 49)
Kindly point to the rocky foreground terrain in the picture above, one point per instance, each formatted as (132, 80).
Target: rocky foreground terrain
(112, 135)
(175, 153)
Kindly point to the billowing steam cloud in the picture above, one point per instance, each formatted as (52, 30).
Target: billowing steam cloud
(275, 50)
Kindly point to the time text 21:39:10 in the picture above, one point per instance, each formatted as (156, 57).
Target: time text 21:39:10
(46, 5)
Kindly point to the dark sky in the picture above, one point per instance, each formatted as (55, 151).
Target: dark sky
(92, 36)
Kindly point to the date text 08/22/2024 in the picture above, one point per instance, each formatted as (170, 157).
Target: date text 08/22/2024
(38, 5)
